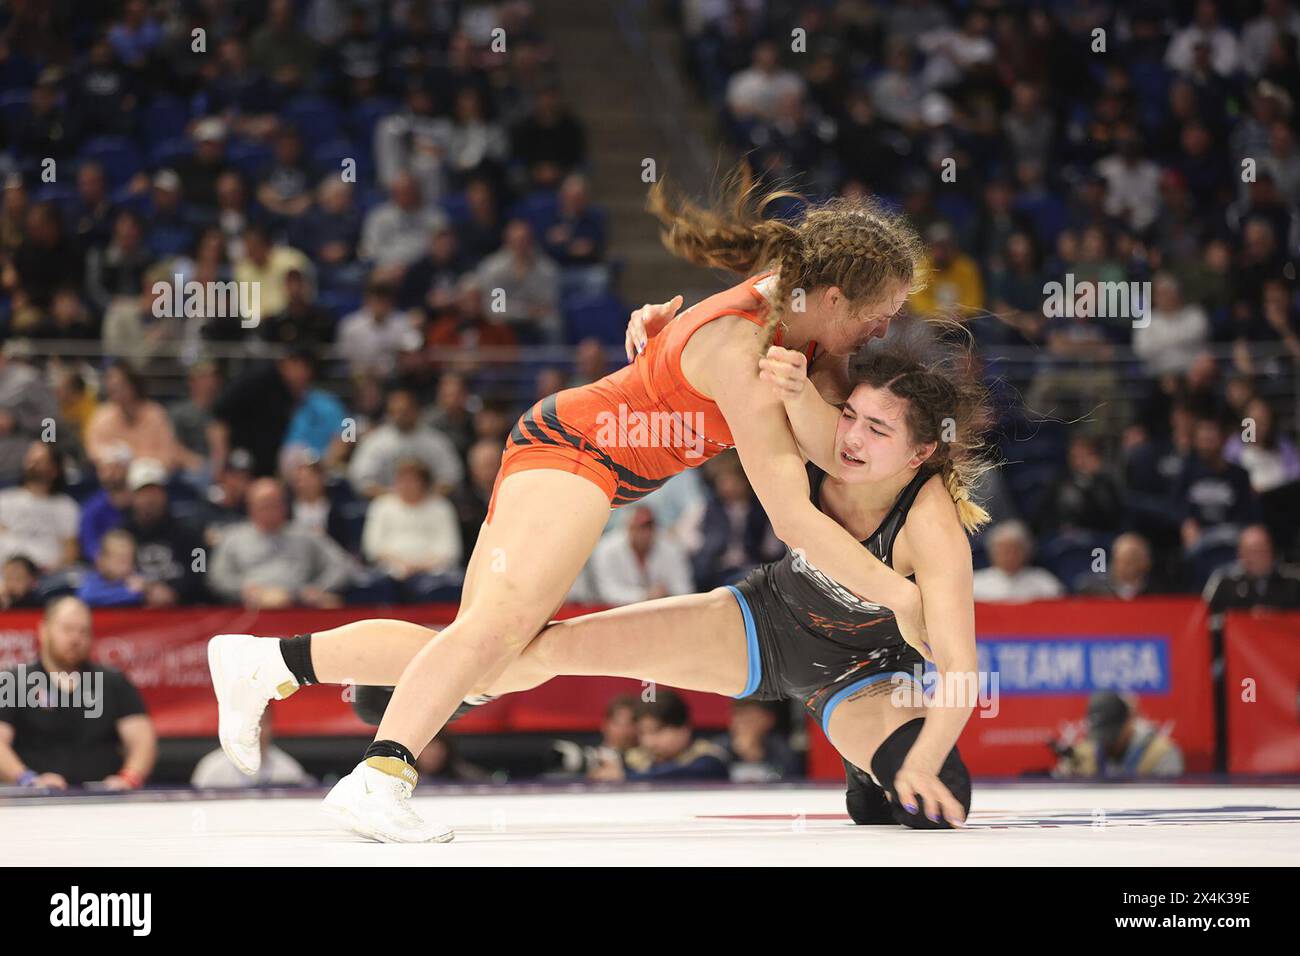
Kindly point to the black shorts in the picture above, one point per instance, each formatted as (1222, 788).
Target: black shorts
(789, 660)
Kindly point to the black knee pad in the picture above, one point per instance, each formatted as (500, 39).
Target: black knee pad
(887, 761)
(371, 702)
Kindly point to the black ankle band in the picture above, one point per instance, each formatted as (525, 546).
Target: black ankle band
(389, 748)
(296, 652)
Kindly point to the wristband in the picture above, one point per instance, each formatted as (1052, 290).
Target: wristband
(133, 779)
(27, 778)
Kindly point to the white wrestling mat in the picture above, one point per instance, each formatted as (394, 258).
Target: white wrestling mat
(1011, 824)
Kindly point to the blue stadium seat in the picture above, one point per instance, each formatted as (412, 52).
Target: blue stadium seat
(249, 158)
(602, 317)
(163, 119)
(117, 154)
(169, 152)
(14, 105)
(316, 119)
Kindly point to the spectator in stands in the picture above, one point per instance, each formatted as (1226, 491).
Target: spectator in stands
(313, 509)
(756, 93)
(549, 141)
(1174, 333)
(375, 335)
(280, 51)
(318, 426)
(254, 411)
(1085, 498)
(1269, 457)
(118, 268)
(471, 497)
(636, 563)
(285, 188)
(169, 551)
(302, 323)
(431, 280)
(269, 265)
(759, 752)
(51, 127)
(441, 761)
(27, 406)
(374, 466)
(92, 209)
(265, 563)
(1255, 579)
(19, 578)
(576, 236)
(227, 503)
(667, 748)
(475, 143)
(733, 534)
(414, 141)
(1205, 30)
(450, 412)
(129, 417)
(171, 224)
(1215, 494)
(1011, 579)
(411, 533)
(94, 727)
(589, 363)
(215, 771)
(200, 171)
(39, 266)
(523, 286)
(955, 288)
(1128, 574)
(114, 581)
(480, 231)
(465, 325)
(192, 416)
(395, 233)
(330, 230)
(37, 519)
(106, 509)
(1118, 743)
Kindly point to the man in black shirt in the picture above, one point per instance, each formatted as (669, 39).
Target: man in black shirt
(65, 721)
(254, 411)
(1254, 580)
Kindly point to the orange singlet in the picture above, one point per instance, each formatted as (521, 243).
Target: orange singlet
(635, 428)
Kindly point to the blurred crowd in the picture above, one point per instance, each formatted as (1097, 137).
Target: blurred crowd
(1148, 147)
(410, 196)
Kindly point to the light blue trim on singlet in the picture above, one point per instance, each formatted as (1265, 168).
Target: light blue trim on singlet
(840, 695)
(755, 674)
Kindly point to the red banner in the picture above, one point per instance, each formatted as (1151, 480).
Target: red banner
(1049, 656)
(1262, 686)
(164, 653)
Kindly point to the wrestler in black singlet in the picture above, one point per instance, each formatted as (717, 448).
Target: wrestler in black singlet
(815, 641)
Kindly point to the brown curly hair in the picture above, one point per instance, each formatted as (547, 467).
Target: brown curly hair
(855, 244)
(931, 365)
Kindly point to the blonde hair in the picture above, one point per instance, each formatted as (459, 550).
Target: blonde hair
(854, 244)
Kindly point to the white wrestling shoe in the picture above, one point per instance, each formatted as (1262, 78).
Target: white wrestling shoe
(375, 803)
(247, 673)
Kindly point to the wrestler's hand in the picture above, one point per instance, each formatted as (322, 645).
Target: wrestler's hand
(919, 791)
(647, 322)
(785, 370)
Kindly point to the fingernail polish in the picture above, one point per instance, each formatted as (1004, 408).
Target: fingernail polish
(910, 807)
